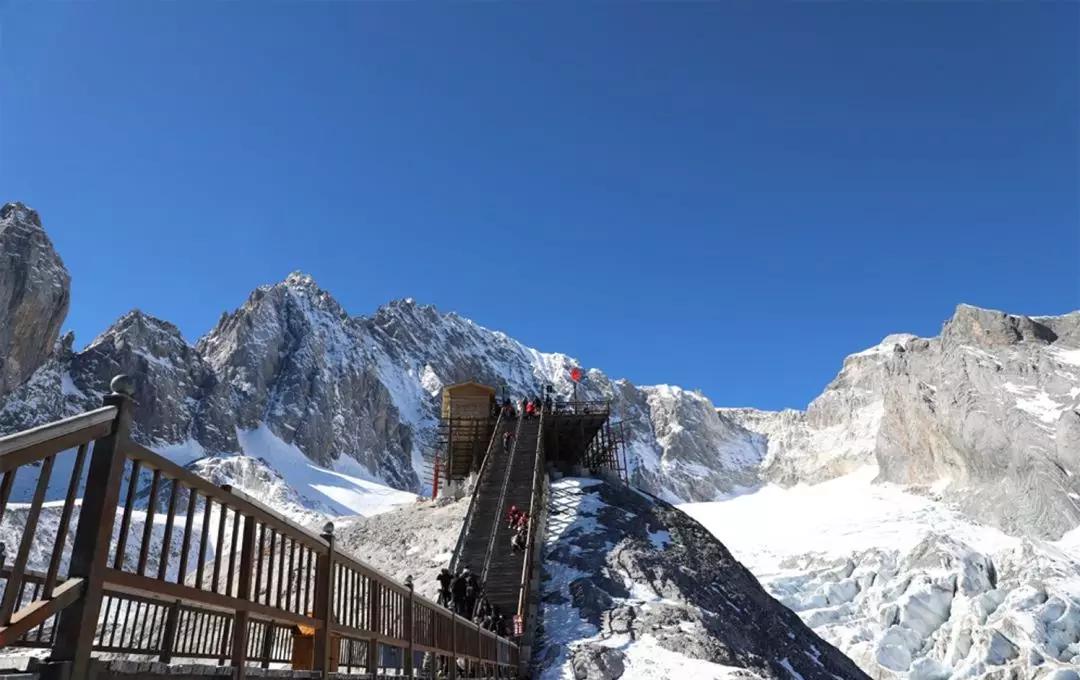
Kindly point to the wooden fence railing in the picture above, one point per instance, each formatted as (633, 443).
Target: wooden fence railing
(161, 563)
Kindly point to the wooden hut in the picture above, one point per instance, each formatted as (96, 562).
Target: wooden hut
(467, 423)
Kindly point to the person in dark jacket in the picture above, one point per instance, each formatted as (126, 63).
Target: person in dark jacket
(508, 441)
(458, 588)
(444, 578)
(472, 593)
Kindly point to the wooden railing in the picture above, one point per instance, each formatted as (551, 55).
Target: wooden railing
(470, 515)
(593, 407)
(537, 503)
(500, 505)
(164, 564)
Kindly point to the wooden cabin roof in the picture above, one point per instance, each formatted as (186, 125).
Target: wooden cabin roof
(476, 385)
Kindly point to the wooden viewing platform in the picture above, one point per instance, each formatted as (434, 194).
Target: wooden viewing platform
(233, 604)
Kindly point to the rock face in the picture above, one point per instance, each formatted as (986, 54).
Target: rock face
(634, 588)
(989, 409)
(35, 290)
(291, 358)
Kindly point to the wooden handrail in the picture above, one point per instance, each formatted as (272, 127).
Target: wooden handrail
(530, 535)
(43, 441)
(500, 506)
(466, 527)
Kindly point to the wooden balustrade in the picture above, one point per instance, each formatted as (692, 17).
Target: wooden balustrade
(162, 563)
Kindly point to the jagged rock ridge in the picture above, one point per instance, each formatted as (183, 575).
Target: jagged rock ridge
(35, 290)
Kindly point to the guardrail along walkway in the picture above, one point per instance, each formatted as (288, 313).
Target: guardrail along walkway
(122, 551)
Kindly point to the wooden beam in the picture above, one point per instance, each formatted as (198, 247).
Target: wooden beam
(51, 431)
(163, 591)
(37, 612)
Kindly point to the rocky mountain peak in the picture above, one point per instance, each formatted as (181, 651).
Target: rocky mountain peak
(988, 328)
(35, 291)
(302, 290)
(142, 329)
(19, 212)
(299, 279)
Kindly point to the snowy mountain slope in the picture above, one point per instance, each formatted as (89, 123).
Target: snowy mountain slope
(904, 584)
(633, 588)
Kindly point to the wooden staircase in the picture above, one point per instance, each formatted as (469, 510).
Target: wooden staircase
(507, 480)
(502, 571)
(476, 531)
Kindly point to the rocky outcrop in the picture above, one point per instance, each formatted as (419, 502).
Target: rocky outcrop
(634, 588)
(35, 290)
(293, 359)
(989, 409)
(683, 449)
(177, 395)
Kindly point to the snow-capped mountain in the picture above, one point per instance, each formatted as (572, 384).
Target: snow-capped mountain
(290, 368)
(963, 448)
(988, 409)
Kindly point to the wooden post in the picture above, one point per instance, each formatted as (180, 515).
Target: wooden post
(267, 644)
(410, 631)
(168, 638)
(435, 479)
(243, 592)
(76, 629)
(453, 645)
(375, 622)
(324, 603)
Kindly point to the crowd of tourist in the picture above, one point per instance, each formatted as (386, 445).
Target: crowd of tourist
(464, 594)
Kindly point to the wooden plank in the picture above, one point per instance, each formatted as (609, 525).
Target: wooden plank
(166, 539)
(240, 619)
(39, 611)
(148, 523)
(51, 431)
(65, 521)
(14, 582)
(163, 591)
(125, 520)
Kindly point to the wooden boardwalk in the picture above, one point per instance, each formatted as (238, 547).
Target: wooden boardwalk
(248, 592)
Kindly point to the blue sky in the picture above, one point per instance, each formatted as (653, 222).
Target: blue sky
(725, 196)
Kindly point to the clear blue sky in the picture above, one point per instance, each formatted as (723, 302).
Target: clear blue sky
(726, 196)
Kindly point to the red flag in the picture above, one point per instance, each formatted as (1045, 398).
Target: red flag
(575, 374)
